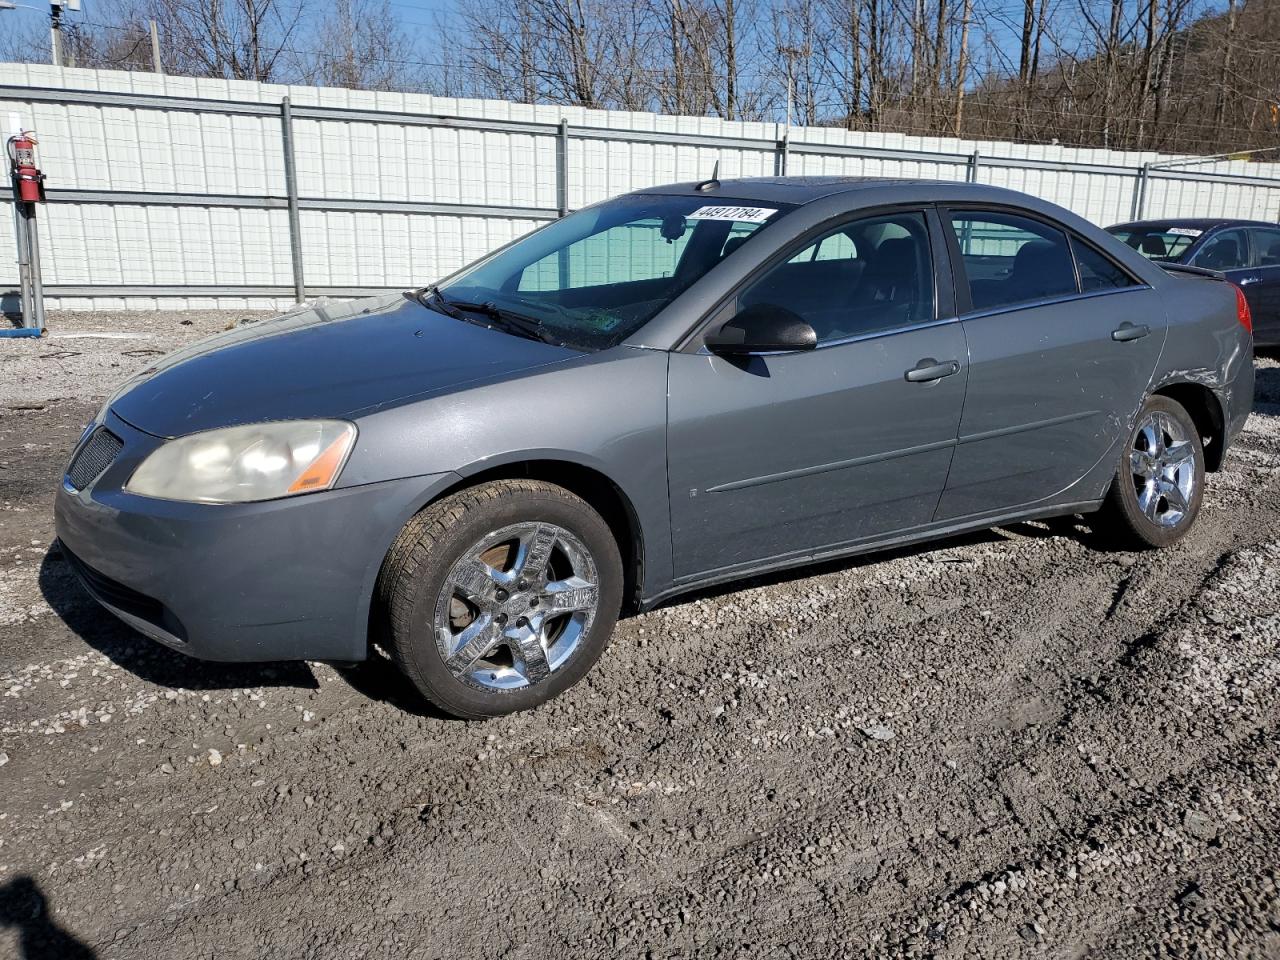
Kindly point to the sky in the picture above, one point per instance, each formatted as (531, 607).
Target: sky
(423, 12)
(418, 13)
(998, 23)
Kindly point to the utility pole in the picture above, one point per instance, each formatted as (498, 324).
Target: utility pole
(791, 54)
(55, 25)
(155, 48)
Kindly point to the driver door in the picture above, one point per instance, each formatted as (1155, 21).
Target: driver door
(783, 456)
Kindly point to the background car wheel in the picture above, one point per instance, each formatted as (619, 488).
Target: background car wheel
(1159, 483)
(500, 597)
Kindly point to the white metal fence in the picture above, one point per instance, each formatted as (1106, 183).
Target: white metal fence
(173, 192)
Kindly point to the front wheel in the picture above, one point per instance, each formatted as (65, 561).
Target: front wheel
(500, 597)
(1159, 482)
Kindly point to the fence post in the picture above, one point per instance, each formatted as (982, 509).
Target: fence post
(291, 188)
(1140, 192)
(784, 153)
(562, 168)
(36, 319)
(562, 197)
(975, 159)
(24, 262)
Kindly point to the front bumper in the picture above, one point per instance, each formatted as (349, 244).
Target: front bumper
(280, 580)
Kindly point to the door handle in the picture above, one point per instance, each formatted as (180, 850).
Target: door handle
(1130, 331)
(929, 369)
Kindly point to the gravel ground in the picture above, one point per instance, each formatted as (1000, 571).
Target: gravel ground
(1012, 744)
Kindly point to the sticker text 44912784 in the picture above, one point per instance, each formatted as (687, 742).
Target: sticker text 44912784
(746, 214)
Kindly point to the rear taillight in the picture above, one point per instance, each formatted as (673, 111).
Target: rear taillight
(1242, 311)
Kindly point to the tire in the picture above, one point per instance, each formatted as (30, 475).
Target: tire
(499, 597)
(1156, 493)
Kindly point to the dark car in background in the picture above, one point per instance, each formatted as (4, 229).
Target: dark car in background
(1246, 252)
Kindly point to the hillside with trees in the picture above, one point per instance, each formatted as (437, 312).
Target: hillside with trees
(1175, 75)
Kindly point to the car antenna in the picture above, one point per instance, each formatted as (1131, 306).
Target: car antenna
(713, 182)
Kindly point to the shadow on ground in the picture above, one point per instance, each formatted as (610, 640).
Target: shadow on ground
(23, 907)
(146, 659)
(378, 678)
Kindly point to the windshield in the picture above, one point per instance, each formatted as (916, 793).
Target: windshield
(1159, 242)
(593, 278)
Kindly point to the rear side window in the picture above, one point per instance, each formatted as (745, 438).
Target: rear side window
(1097, 272)
(1266, 246)
(865, 276)
(1010, 259)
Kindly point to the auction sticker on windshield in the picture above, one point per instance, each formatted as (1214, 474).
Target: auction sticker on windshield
(747, 214)
(1184, 231)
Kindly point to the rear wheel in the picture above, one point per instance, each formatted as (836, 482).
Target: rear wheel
(500, 597)
(1159, 483)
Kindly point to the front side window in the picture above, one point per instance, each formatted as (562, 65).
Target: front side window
(593, 278)
(1223, 251)
(863, 277)
(1010, 259)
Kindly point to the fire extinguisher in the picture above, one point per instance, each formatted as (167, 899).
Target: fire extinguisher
(28, 180)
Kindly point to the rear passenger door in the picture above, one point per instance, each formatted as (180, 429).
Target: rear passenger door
(1062, 343)
(1264, 293)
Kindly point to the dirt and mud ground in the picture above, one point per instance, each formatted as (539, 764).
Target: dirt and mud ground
(1015, 744)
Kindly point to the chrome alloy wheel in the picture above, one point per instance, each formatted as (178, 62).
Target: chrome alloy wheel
(516, 606)
(1163, 462)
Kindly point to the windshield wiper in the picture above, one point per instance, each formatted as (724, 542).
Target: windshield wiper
(430, 296)
(499, 318)
(509, 321)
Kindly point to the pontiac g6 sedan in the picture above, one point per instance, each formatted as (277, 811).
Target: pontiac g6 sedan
(673, 388)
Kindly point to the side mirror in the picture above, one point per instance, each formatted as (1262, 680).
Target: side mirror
(762, 328)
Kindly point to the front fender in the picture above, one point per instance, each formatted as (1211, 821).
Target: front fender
(604, 412)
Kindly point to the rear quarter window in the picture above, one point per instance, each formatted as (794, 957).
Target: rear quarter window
(1097, 271)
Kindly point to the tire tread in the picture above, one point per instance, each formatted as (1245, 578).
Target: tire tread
(411, 552)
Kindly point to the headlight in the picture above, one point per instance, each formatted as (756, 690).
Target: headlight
(239, 464)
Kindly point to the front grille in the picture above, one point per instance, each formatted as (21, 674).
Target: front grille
(94, 456)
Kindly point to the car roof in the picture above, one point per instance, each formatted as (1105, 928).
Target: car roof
(801, 190)
(1195, 223)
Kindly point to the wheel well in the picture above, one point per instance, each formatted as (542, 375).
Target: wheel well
(1206, 412)
(595, 488)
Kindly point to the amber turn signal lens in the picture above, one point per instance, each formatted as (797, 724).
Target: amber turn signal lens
(324, 468)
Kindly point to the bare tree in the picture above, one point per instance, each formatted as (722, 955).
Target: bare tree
(365, 48)
(236, 39)
(1182, 75)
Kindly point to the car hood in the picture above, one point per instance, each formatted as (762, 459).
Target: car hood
(330, 360)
